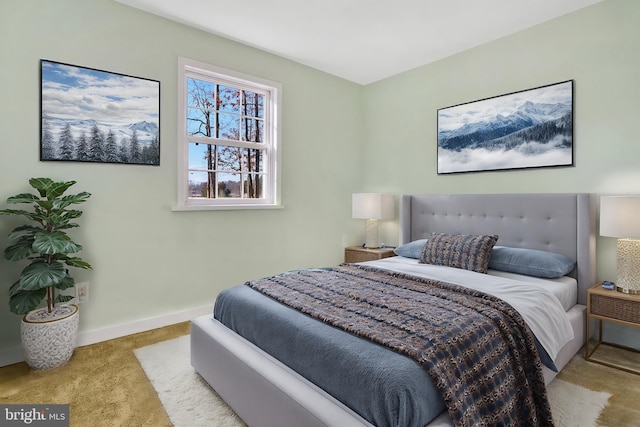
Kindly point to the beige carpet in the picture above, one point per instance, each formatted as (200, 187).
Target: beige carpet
(105, 385)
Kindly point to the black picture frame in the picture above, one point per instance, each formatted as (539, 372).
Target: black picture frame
(91, 115)
(532, 128)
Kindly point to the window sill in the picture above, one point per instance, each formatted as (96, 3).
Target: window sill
(191, 208)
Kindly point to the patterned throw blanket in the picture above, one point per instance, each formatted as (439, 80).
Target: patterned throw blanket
(476, 348)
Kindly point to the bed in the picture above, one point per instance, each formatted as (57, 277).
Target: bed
(268, 390)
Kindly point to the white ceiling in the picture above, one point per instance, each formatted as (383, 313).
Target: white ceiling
(361, 40)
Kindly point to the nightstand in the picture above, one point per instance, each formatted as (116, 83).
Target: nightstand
(612, 306)
(360, 254)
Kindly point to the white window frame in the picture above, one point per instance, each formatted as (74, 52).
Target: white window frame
(191, 68)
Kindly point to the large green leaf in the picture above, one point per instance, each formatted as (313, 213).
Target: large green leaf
(35, 216)
(57, 189)
(67, 226)
(25, 231)
(22, 198)
(50, 189)
(20, 250)
(60, 219)
(63, 298)
(66, 283)
(25, 301)
(47, 205)
(41, 184)
(70, 214)
(76, 262)
(39, 275)
(54, 242)
(53, 220)
(15, 287)
(76, 198)
(15, 212)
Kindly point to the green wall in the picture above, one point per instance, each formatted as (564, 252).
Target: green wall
(338, 138)
(598, 47)
(149, 261)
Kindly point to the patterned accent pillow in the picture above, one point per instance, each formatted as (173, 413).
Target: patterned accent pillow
(469, 252)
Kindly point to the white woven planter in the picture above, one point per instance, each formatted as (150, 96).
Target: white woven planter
(48, 339)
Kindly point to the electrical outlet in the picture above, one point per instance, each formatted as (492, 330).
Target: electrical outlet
(82, 292)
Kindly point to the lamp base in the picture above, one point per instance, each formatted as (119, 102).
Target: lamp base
(627, 291)
(628, 258)
(371, 241)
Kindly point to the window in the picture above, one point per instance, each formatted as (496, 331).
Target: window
(228, 153)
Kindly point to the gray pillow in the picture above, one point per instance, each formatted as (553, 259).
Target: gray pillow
(468, 252)
(530, 262)
(411, 249)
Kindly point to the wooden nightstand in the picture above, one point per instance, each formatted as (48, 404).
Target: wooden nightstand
(613, 306)
(360, 254)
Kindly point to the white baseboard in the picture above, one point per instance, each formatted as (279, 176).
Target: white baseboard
(14, 354)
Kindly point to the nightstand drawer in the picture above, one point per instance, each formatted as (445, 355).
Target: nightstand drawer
(360, 254)
(352, 256)
(615, 308)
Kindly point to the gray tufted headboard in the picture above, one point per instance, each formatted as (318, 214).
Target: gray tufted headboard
(563, 223)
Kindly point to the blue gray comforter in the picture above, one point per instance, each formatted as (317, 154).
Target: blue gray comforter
(476, 349)
(386, 388)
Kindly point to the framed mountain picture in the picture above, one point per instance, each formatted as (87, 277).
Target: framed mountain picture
(90, 115)
(527, 129)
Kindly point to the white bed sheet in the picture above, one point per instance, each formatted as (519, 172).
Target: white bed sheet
(565, 288)
(538, 306)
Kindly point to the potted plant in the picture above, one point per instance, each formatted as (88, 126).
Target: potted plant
(48, 334)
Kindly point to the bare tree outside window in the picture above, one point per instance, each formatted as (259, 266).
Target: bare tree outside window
(232, 121)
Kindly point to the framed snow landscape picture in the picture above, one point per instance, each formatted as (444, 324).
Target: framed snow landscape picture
(528, 129)
(89, 115)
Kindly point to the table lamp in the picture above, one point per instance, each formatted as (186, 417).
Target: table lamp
(620, 217)
(372, 207)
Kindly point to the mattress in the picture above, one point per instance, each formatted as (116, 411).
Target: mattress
(397, 389)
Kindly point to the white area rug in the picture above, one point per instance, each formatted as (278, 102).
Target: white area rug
(575, 406)
(187, 398)
(190, 402)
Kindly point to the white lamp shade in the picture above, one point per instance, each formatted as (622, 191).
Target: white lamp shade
(620, 216)
(372, 206)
